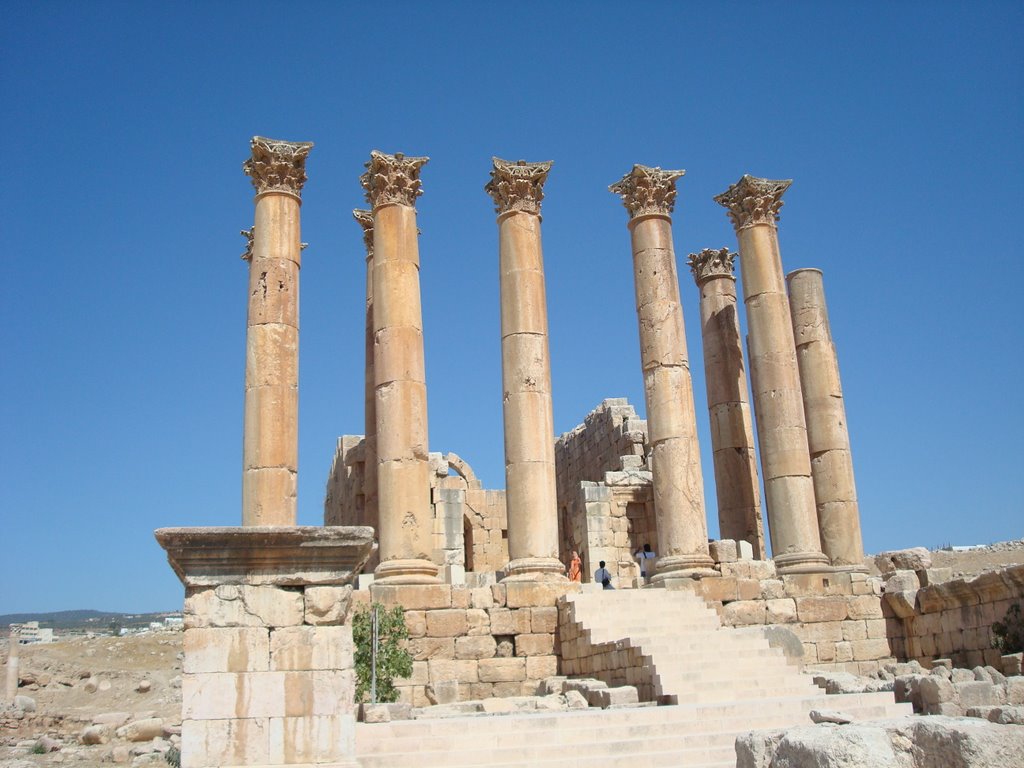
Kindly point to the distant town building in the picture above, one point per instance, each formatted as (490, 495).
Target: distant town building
(31, 633)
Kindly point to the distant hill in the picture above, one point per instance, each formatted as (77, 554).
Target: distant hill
(83, 619)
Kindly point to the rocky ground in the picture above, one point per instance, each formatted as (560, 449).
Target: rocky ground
(126, 691)
(99, 685)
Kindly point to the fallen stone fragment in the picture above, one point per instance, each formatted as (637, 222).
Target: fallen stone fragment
(25, 703)
(830, 716)
(141, 730)
(95, 734)
(144, 686)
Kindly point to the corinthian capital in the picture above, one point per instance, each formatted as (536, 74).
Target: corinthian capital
(392, 179)
(754, 201)
(517, 186)
(365, 220)
(712, 262)
(647, 190)
(277, 166)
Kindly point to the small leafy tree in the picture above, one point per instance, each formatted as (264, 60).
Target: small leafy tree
(393, 660)
(1009, 633)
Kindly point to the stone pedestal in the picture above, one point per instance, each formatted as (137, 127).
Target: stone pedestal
(392, 184)
(13, 654)
(268, 671)
(271, 439)
(732, 432)
(517, 190)
(827, 434)
(649, 196)
(370, 511)
(753, 206)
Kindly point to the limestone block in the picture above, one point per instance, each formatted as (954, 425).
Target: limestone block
(225, 742)
(311, 648)
(94, 734)
(618, 696)
(976, 693)
(914, 559)
(855, 630)
(477, 622)
(1015, 691)
(819, 609)
(499, 594)
(931, 576)
(481, 647)
(232, 605)
(540, 667)
(865, 650)
(459, 670)
(902, 604)
(543, 620)
(416, 623)
(773, 589)
(450, 622)
(537, 594)
(843, 652)
(902, 581)
(226, 649)
(723, 551)
(723, 589)
(502, 670)
(535, 644)
(311, 740)
(781, 611)
(825, 631)
(1011, 663)
(432, 648)
(481, 598)
(741, 613)
(412, 596)
(327, 605)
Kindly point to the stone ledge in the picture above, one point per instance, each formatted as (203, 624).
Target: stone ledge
(266, 555)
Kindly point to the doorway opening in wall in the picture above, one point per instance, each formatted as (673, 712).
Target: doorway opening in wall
(467, 543)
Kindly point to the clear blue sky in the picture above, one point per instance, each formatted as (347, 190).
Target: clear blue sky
(124, 297)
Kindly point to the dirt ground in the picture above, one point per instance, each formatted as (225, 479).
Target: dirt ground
(969, 563)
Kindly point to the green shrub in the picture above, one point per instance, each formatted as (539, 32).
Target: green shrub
(393, 660)
(38, 748)
(173, 757)
(1009, 633)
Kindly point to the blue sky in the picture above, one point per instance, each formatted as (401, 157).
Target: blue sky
(123, 310)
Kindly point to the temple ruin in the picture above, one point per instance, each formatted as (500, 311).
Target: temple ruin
(717, 629)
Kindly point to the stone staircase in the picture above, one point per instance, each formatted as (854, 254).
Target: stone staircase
(714, 682)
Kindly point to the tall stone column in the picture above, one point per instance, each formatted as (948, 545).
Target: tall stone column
(753, 205)
(732, 431)
(827, 435)
(13, 654)
(392, 184)
(365, 220)
(270, 451)
(517, 190)
(649, 195)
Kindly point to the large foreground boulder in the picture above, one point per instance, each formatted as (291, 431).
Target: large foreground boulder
(912, 742)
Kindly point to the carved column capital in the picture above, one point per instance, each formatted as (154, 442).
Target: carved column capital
(248, 235)
(517, 186)
(365, 220)
(712, 262)
(646, 190)
(392, 179)
(277, 166)
(753, 201)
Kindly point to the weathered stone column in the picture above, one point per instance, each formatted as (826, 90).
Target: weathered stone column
(270, 453)
(827, 435)
(649, 195)
(392, 184)
(732, 431)
(517, 190)
(365, 220)
(13, 654)
(753, 206)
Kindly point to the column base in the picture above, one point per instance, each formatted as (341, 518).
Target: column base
(535, 569)
(410, 571)
(802, 562)
(852, 568)
(672, 567)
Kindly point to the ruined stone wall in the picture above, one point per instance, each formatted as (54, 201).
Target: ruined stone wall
(343, 499)
(605, 497)
(953, 619)
(466, 644)
(837, 618)
(470, 523)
